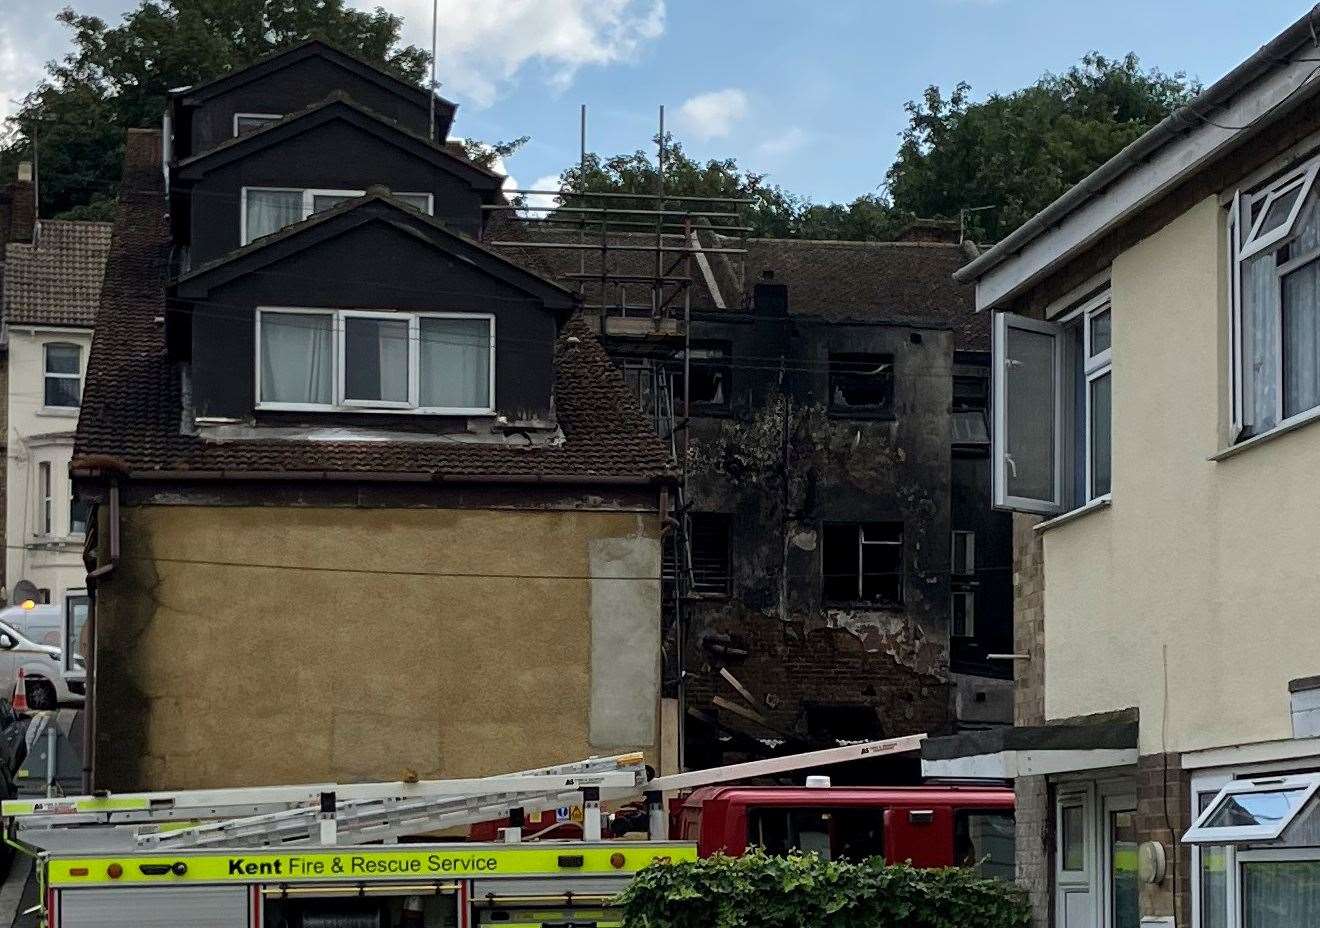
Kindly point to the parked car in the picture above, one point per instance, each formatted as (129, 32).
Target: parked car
(46, 687)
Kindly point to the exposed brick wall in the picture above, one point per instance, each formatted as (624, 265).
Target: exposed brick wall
(1035, 844)
(1034, 834)
(1164, 799)
(789, 666)
(1028, 621)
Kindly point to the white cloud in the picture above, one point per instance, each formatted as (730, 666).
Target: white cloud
(482, 46)
(712, 115)
(539, 203)
(785, 143)
(19, 73)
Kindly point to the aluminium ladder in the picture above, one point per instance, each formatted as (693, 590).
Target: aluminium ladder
(354, 814)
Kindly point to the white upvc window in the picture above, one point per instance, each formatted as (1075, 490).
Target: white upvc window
(62, 372)
(1053, 408)
(1273, 234)
(433, 363)
(1245, 882)
(265, 210)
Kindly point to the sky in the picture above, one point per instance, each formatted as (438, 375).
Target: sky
(809, 93)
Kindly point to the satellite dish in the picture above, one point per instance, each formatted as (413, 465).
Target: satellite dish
(24, 590)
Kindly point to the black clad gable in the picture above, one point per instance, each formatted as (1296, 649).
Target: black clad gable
(372, 253)
(377, 208)
(290, 80)
(337, 107)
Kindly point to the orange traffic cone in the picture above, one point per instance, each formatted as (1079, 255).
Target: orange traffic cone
(19, 702)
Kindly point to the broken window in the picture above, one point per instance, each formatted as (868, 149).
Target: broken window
(970, 425)
(708, 546)
(710, 368)
(863, 563)
(862, 384)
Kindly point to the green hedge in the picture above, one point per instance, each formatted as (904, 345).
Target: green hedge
(759, 891)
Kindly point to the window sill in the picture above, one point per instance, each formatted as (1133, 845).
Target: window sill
(1283, 428)
(61, 412)
(863, 606)
(861, 415)
(1095, 505)
(375, 410)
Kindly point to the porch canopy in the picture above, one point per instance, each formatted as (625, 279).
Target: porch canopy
(1089, 742)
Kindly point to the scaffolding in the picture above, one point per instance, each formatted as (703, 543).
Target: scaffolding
(634, 257)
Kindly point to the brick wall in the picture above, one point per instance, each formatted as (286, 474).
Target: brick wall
(1164, 800)
(1034, 834)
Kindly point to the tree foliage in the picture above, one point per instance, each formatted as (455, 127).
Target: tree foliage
(760, 891)
(118, 77)
(1020, 151)
(771, 211)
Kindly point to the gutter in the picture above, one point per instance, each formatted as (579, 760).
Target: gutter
(382, 477)
(1175, 124)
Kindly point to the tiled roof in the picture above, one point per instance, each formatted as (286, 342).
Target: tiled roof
(57, 281)
(901, 282)
(132, 407)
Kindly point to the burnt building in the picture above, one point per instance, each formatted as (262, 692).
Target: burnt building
(837, 572)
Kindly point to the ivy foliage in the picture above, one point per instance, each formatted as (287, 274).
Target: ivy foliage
(761, 891)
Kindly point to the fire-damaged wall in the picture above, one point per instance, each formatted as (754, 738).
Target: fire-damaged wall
(819, 493)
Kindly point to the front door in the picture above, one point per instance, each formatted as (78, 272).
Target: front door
(1096, 856)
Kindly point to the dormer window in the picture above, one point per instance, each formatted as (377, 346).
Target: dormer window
(252, 122)
(268, 209)
(374, 361)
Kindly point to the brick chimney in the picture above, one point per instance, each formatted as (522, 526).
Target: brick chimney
(939, 231)
(17, 208)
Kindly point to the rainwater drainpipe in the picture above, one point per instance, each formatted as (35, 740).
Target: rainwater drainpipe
(101, 572)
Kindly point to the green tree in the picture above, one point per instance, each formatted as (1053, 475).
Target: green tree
(769, 211)
(117, 77)
(1018, 152)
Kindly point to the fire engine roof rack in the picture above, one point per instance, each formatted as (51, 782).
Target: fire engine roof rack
(283, 812)
(345, 814)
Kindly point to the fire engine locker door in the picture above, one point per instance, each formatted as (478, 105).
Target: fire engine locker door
(155, 907)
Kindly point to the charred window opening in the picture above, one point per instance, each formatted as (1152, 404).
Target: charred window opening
(971, 392)
(710, 368)
(708, 542)
(862, 384)
(863, 563)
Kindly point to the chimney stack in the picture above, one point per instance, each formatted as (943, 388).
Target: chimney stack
(17, 208)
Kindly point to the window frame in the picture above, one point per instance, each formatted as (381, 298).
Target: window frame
(859, 546)
(45, 499)
(338, 346)
(237, 116)
(968, 599)
(1202, 833)
(47, 374)
(1068, 372)
(1239, 250)
(1093, 368)
(309, 195)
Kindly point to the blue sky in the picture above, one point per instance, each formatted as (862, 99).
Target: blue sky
(810, 93)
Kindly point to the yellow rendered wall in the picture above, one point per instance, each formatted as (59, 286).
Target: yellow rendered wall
(1211, 563)
(211, 673)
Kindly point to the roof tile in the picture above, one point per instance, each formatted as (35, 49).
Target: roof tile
(132, 408)
(57, 280)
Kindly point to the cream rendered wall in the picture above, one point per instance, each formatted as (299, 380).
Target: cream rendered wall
(38, 434)
(1214, 561)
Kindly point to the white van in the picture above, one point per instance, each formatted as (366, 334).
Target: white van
(50, 624)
